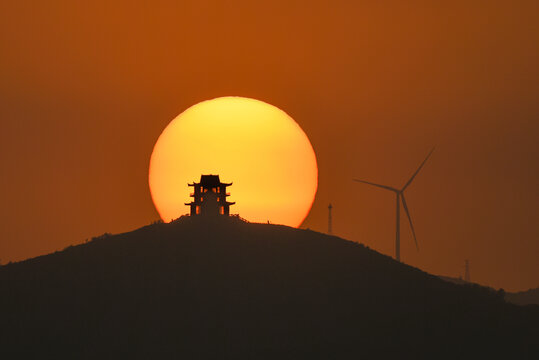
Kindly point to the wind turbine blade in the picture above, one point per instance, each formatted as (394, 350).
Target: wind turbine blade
(409, 219)
(377, 185)
(417, 171)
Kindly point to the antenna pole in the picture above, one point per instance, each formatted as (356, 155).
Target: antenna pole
(330, 220)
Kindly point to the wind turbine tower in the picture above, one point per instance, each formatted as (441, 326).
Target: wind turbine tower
(399, 196)
(330, 220)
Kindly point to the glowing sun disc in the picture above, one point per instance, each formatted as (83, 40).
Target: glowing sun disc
(255, 145)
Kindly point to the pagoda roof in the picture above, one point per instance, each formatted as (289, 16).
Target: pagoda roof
(210, 181)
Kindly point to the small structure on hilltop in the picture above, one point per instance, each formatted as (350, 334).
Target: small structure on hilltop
(209, 197)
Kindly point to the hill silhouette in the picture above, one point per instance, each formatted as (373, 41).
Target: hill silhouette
(226, 289)
(527, 297)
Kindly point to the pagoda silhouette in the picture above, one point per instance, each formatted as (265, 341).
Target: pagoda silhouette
(209, 197)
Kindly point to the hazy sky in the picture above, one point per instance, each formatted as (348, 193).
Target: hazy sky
(87, 87)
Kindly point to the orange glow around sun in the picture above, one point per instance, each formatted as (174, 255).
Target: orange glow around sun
(257, 146)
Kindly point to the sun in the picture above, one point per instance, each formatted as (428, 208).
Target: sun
(254, 145)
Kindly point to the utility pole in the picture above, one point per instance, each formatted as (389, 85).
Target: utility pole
(467, 270)
(330, 220)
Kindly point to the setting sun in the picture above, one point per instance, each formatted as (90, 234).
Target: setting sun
(257, 146)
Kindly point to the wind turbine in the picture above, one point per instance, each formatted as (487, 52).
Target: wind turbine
(400, 195)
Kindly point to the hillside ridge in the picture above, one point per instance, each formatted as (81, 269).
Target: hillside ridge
(229, 289)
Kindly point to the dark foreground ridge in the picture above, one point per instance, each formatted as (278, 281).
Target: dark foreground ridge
(225, 289)
(527, 297)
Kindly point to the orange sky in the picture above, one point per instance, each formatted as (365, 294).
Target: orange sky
(87, 89)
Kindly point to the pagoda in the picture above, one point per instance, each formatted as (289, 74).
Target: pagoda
(209, 197)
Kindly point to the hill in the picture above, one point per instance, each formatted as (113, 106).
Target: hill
(454, 280)
(226, 289)
(527, 297)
